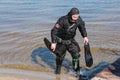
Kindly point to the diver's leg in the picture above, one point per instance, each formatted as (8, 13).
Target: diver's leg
(60, 54)
(74, 50)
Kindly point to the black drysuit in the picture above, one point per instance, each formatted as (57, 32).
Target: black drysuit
(63, 34)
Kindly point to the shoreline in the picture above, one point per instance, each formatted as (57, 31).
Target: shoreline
(114, 53)
(18, 74)
(108, 56)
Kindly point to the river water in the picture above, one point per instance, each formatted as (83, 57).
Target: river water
(24, 24)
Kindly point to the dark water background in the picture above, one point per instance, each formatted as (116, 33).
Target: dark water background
(24, 24)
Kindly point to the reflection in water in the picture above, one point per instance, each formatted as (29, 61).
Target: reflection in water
(45, 55)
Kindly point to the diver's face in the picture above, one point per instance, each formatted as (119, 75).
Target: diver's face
(75, 16)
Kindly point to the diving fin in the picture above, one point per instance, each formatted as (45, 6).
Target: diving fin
(88, 55)
(47, 43)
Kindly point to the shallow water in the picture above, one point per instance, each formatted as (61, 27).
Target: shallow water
(24, 24)
(25, 19)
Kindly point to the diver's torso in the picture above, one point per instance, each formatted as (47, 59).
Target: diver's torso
(67, 30)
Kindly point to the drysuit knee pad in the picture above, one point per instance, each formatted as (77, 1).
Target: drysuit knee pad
(77, 55)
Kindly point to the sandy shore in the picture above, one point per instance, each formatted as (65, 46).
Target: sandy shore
(18, 74)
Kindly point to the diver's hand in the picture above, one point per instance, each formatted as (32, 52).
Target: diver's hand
(53, 46)
(85, 40)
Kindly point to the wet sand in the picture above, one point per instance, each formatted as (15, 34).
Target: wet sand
(42, 61)
(22, 29)
(18, 74)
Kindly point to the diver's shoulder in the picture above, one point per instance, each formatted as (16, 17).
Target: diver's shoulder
(63, 17)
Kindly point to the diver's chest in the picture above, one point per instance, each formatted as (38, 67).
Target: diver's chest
(68, 26)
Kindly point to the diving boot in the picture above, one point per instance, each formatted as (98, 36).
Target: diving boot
(58, 69)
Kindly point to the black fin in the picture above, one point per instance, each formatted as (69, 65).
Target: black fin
(88, 55)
